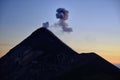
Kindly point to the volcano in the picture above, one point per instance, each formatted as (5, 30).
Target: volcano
(43, 56)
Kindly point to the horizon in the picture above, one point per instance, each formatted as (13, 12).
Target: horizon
(96, 24)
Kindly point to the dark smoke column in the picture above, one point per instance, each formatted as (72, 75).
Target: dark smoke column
(62, 15)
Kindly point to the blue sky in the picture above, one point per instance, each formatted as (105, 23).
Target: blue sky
(95, 23)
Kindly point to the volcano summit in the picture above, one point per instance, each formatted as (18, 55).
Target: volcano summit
(42, 56)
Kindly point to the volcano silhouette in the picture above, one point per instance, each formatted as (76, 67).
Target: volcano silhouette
(42, 56)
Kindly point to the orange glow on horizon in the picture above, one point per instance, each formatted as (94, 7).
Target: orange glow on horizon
(109, 53)
(112, 56)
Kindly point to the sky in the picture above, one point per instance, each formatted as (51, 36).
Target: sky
(95, 23)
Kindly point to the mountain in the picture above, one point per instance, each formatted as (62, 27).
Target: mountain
(42, 56)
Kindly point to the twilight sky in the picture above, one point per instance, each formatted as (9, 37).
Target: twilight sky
(95, 23)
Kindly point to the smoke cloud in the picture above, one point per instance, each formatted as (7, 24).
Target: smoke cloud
(63, 26)
(62, 15)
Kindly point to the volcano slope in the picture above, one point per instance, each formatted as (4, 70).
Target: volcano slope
(43, 56)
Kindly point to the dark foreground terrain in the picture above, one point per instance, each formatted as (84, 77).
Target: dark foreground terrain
(42, 56)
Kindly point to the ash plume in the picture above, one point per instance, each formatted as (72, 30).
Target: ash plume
(62, 15)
